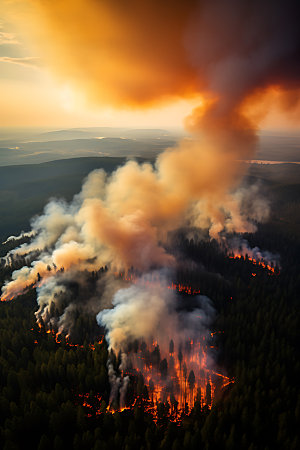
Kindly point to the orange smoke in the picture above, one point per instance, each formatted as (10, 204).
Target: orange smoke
(133, 54)
(127, 54)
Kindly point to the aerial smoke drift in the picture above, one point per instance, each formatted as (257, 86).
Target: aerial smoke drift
(138, 55)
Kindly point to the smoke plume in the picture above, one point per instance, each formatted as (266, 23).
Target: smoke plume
(151, 313)
(123, 221)
(135, 54)
(145, 318)
(240, 247)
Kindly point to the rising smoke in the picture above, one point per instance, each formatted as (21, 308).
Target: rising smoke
(148, 317)
(134, 55)
(116, 224)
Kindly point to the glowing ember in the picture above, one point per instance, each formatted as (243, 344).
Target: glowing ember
(178, 377)
(59, 338)
(257, 262)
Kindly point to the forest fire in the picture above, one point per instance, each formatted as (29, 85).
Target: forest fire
(178, 377)
(160, 347)
(273, 270)
(59, 338)
(169, 383)
(162, 372)
(172, 379)
(154, 279)
(178, 287)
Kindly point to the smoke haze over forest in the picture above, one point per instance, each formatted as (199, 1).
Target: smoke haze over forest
(158, 263)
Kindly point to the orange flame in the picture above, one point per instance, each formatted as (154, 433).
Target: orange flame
(59, 337)
(256, 262)
(179, 387)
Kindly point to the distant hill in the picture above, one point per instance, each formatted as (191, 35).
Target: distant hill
(84, 142)
(29, 147)
(108, 132)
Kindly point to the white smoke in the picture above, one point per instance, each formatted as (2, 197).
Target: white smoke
(148, 312)
(22, 235)
(239, 246)
(122, 221)
(138, 312)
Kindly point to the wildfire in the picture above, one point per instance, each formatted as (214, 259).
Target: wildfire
(175, 375)
(175, 378)
(154, 280)
(58, 337)
(92, 403)
(256, 262)
(40, 280)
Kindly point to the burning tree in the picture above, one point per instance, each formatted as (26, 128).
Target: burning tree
(191, 382)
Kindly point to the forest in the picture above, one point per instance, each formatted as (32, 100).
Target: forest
(55, 394)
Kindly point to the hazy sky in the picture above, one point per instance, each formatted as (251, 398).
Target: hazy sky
(34, 91)
(33, 95)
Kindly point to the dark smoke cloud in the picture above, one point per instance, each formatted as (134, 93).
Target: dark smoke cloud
(239, 46)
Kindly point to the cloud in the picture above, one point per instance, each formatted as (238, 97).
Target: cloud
(8, 38)
(25, 61)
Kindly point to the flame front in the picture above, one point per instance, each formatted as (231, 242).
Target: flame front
(257, 262)
(177, 378)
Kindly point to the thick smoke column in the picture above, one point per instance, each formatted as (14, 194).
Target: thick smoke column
(114, 223)
(138, 313)
(241, 48)
(141, 312)
(137, 54)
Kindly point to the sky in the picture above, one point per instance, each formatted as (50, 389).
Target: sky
(31, 94)
(86, 63)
